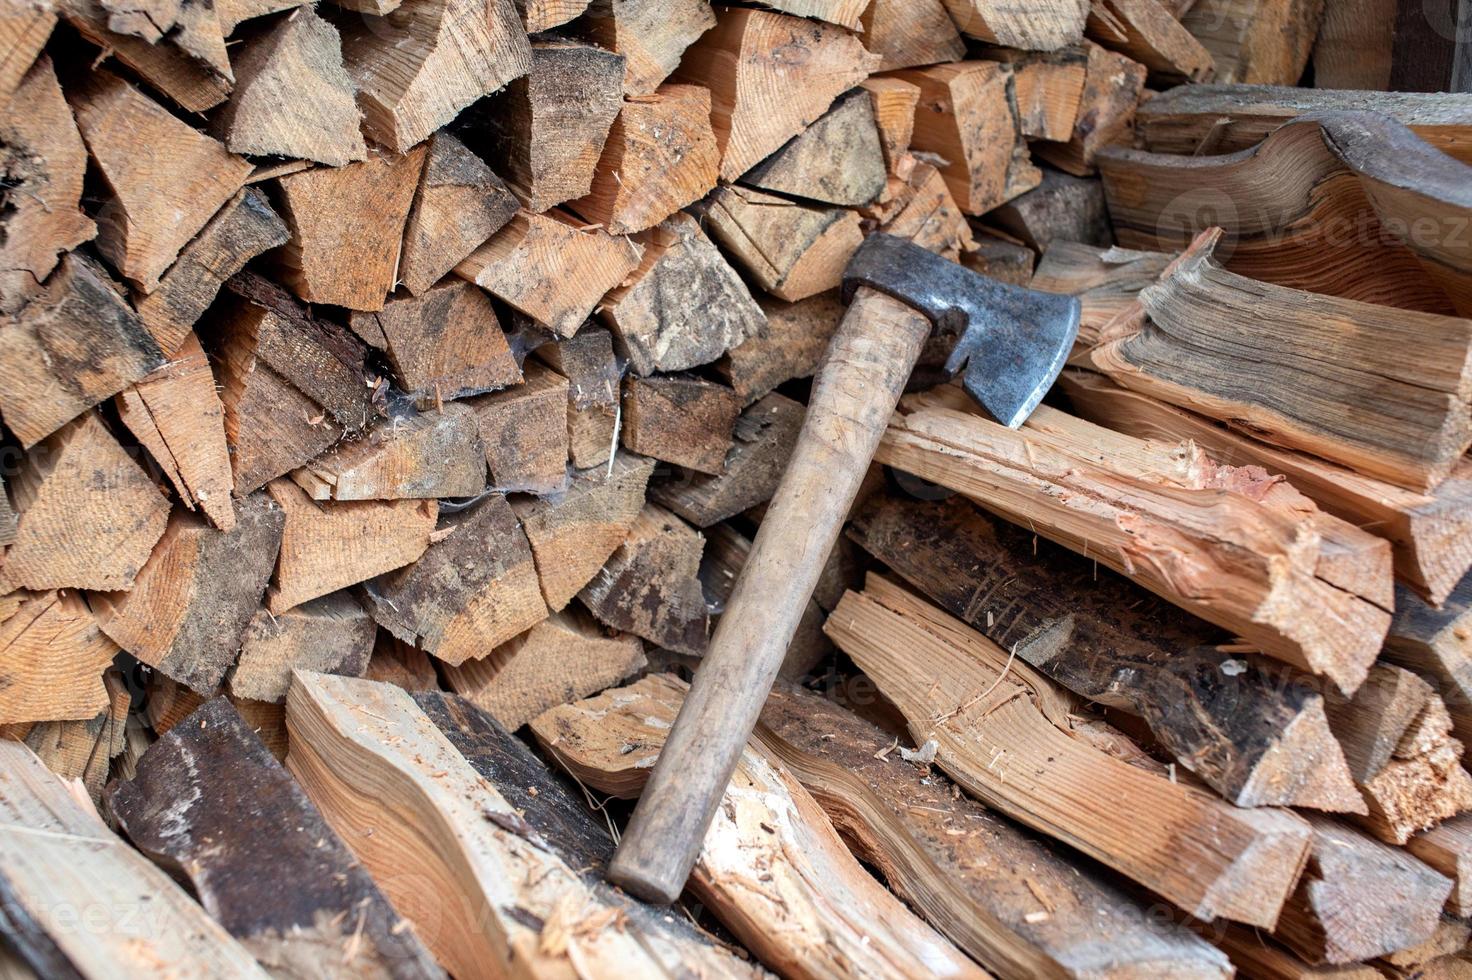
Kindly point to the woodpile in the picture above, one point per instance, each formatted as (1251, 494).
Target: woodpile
(392, 393)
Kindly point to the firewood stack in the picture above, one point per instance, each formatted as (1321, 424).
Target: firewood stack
(392, 390)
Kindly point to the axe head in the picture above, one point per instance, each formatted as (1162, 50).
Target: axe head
(1010, 341)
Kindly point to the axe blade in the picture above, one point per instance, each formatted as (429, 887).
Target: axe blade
(1010, 341)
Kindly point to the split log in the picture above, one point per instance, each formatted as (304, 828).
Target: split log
(1061, 208)
(1068, 480)
(59, 855)
(894, 102)
(650, 586)
(1410, 426)
(1113, 85)
(424, 455)
(243, 229)
(1257, 739)
(968, 116)
(1149, 33)
(684, 305)
(1042, 26)
(1359, 899)
(836, 160)
(1437, 644)
(1448, 848)
(1015, 904)
(550, 270)
(164, 178)
(44, 160)
(329, 546)
(347, 226)
(562, 659)
(88, 516)
(587, 361)
(83, 750)
(650, 34)
(193, 86)
(75, 344)
(330, 635)
(792, 250)
(765, 434)
(401, 665)
(175, 413)
(1423, 783)
(565, 824)
(233, 12)
(474, 588)
(459, 205)
(542, 15)
(1049, 87)
(24, 31)
(1347, 184)
(545, 131)
(573, 533)
(680, 419)
(1427, 532)
(923, 210)
(1439, 956)
(1106, 282)
(1194, 119)
(292, 96)
(1371, 724)
(52, 658)
(761, 98)
(195, 595)
(1007, 742)
(417, 67)
(660, 155)
(190, 27)
(524, 432)
(908, 33)
(1256, 955)
(488, 895)
(442, 343)
(1007, 261)
(772, 867)
(792, 346)
(211, 804)
(1257, 43)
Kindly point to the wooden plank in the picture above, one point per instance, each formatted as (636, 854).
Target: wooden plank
(650, 585)
(417, 455)
(772, 867)
(52, 658)
(524, 432)
(330, 635)
(1008, 743)
(680, 419)
(59, 855)
(211, 802)
(836, 160)
(459, 205)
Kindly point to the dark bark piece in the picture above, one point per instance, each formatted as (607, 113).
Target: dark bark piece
(424, 455)
(681, 420)
(75, 344)
(587, 361)
(1062, 207)
(792, 345)
(459, 205)
(1255, 738)
(474, 588)
(1019, 906)
(525, 432)
(210, 803)
(650, 585)
(765, 434)
(192, 600)
(836, 160)
(331, 635)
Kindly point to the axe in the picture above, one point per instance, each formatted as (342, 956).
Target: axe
(1011, 343)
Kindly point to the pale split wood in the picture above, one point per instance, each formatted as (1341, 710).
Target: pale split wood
(330, 635)
(1105, 280)
(193, 86)
(1044, 26)
(460, 203)
(650, 34)
(894, 102)
(836, 160)
(191, 27)
(542, 15)
(52, 658)
(924, 211)
(592, 369)
(24, 30)
(1259, 42)
(1447, 847)
(792, 250)
(1423, 783)
(1113, 85)
(84, 750)
(1150, 34)
(1049, 87)
(907, 33)
(771, 866)
(420, 455)
(524, 430)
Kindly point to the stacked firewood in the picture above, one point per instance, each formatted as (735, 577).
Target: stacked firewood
(392, 390)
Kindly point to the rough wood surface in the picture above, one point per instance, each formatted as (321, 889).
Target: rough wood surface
(330, 635)
(894, 102)
(88, 516)
(76, 343)
(175, 413)
(473, 589)
(549, 269)
(1437, 644)
(1014, 903)
(417, 67)
(564, 658)
(1371, 724)
(1255, 738)
(191, 85)
(211, 803)
(769, 76)
(52, 657)
(650, 585)
(573, 533)
(650, 34)
(771, 866)
(1007, 741)
(1448, 849)
(1061, 208)
(836, 160)
(1042, 26)
(1423, 783)
(328, 546)
(1106, 109)
(347, 226)
(1105, 280)
(24, 31)
(792, 346)
(592, 370)
(541, 15)
(1259, 43)
(792, 250)
(660, 155)
(193, 598)
(524, 432)
(765, 434)
(680, 419)
(907, 33)
(59, 855)
(1149, 33)
(421, 455)
(684, 305)
(84, 750)
(459, 205)
(1049, 87)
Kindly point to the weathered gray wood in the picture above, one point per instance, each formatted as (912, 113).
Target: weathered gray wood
(837, 160)
(650, 585)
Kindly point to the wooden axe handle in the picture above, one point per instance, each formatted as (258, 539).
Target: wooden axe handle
(868, 362)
